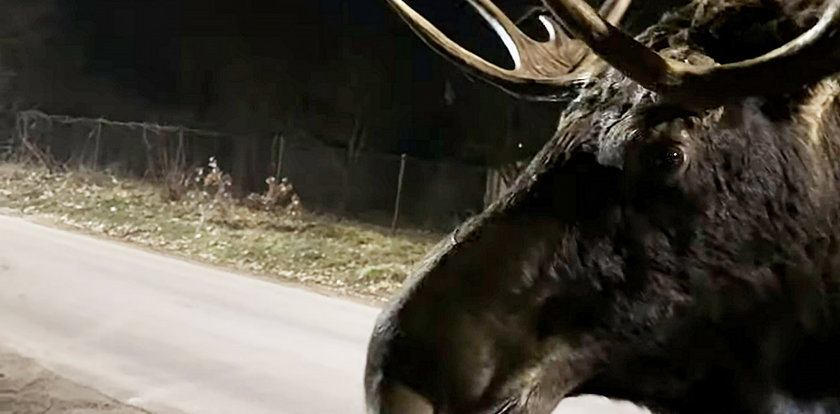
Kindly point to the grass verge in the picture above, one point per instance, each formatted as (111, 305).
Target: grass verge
(347, 258)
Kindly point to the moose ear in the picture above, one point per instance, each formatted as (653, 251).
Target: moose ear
(732, 116)
(739, 115)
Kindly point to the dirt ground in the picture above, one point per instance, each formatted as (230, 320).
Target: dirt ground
(28, 388)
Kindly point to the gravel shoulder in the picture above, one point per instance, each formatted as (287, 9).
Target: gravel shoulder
(28, 388)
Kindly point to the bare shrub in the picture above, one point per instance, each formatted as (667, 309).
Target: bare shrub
(32, 153)
(278, 197)
(213, 181)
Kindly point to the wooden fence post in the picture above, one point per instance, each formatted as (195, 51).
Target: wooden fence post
(24, 122)
(151, 168)
(399, 194)
(280, 154)
(181, 156)
(97, 143)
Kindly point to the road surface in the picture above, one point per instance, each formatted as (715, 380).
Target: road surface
(173, 337)
(27, 388)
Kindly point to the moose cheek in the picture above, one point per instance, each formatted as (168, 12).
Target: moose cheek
(571, 314)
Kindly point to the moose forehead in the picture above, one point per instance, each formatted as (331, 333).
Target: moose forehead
(791, 147)
(605, 118)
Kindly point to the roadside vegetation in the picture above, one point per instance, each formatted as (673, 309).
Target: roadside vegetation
(201, 221)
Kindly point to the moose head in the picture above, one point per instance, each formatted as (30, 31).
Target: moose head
(675, 244)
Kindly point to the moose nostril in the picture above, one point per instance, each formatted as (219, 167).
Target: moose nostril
(397, 371)
(397, 399)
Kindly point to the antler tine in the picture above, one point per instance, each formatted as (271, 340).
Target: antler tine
(541, 71)
(443, 44)
(494, 15)
(556, 32)
(808, 58)
(515, 41)
(579, 57)
(614, 46)
(613, 12)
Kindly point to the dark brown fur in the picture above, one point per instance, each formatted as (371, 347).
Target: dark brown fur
(710, 287)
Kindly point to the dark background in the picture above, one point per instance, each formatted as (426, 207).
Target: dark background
(336, 73)
(319, 67)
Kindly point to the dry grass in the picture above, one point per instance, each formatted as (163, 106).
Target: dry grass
(350, 258)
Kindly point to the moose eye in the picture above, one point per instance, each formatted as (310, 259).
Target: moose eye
(663, 157)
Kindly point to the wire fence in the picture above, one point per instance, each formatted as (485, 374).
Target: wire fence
(431, 194)
(384, 189)
(7, 148)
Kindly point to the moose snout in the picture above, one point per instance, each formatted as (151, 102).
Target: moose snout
(391, 368)
(394, 398)
(411, 373)
(448, 344)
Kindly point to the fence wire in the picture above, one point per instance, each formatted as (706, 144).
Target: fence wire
(434, 195)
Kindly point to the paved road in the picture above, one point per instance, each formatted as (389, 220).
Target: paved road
(174, 337)
(27, 388)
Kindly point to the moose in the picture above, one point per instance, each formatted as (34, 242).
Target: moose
(675, 244)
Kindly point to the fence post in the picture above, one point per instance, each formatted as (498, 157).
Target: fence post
(280, 153)
(151, 169)
(14, 139)
(97, 143)
(24, 128)
(399, 194)
(24, 131)
(181, 156)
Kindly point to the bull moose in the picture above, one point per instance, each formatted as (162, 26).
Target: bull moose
(675, 244)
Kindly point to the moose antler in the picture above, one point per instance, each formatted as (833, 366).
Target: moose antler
(541, 68)
(804, 60)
